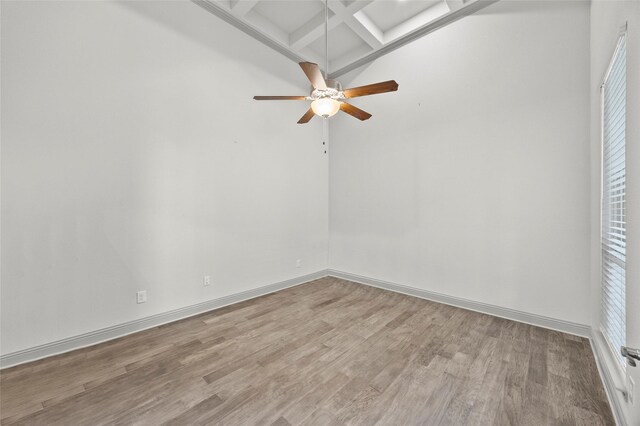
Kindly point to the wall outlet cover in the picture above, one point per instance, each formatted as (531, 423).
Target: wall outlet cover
(207, 280)
(141, 296)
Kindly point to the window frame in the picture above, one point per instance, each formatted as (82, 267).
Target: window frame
(622, 37)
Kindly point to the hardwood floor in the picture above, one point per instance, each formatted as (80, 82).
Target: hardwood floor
(326, 352)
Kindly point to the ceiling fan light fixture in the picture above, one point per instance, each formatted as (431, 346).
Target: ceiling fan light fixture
(325, 107)
(327, 96)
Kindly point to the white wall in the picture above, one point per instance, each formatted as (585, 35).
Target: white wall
(133, 157)
(473, 179)
(607, 17)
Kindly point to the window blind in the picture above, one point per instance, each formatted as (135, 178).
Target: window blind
(613, 201)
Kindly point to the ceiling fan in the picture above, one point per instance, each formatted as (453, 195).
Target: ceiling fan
(327, 96)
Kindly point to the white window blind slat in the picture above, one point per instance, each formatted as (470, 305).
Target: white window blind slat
(614, 201)
(614, 105)
(615, 80)
(614, 158)
(614, 154)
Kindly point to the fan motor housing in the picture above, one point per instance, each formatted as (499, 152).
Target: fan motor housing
(334, 91)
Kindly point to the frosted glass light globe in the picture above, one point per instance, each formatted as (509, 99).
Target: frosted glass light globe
(325, 107)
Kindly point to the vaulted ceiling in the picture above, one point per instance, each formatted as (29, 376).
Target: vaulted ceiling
(359, 30)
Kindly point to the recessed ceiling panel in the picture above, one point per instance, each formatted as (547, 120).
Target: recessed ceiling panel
(341, 41)
(359, 30)
(389, 14)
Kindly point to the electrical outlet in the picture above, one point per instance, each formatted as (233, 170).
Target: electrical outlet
(141, 296)
(207, 280)
(630, 389)
(298, 263)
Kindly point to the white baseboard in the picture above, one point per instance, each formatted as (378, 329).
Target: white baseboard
(120, 330)
(110, 333)
(582, 330)
(610, 378)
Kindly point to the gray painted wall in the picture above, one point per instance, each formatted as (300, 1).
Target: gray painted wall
(473, 179)
(133, 157)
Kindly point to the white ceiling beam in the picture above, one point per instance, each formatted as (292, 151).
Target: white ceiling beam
(313, 29)
(363, 32)
(366, 29)
(346, 13)
(371, 27)
(420, 20)
(242, 7)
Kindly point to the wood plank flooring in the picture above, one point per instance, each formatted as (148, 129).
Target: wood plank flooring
(329, 352)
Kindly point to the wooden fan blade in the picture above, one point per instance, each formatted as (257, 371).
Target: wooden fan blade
(314, 75)
(279, 98)
(356, 112)
(306, 117)
(371, 89)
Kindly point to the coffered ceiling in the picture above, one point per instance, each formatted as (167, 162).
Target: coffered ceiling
(359, 30)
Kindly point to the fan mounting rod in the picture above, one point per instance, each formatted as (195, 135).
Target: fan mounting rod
(326, 39)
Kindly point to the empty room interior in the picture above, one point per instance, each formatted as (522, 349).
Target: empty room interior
(320, 212)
